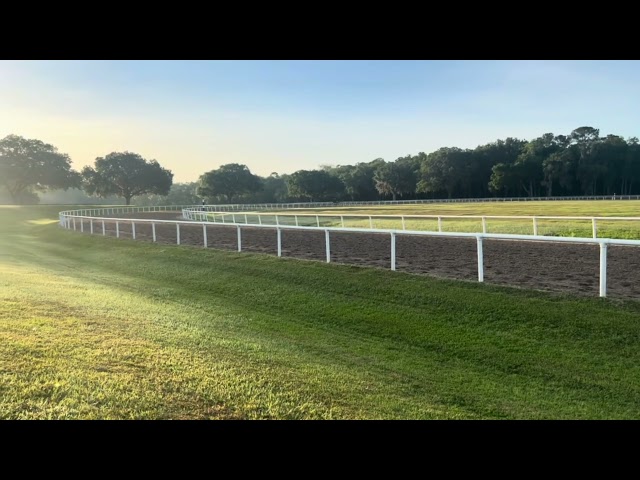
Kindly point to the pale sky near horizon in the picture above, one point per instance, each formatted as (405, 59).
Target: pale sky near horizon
(282, 116)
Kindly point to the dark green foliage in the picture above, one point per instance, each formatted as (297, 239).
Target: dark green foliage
(126, 175)
(28, 165)
(581, 163)
(315, 186)
(227, 183)
(397, 178)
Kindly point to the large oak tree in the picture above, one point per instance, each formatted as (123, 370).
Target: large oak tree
(228, 182)
(126, 175)
(29, 164)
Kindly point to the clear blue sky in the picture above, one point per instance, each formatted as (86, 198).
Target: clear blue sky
(281, 116)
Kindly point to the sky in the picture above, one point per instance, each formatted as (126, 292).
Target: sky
(283, 116)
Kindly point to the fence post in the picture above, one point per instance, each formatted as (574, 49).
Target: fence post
(245, 219)
(535, 226)
(480, 260)
(260, 218)
(133, 230)
(104, 230)
(484, 225)
(279, 232)
(342, 220)
(277, 220)
(153, 231)
(234, 217)
(328, 245)
(603, 269)
(117, 229)
(393, 251)
(296, 218)
(91, 226)
(594, 227)
(404, 227)
(204, 235)
(318, 221)
(177, 233)
(82, 225)
(370, 222)
(239, 239)
(440, 224)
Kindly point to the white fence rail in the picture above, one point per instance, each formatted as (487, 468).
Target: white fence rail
(300, 205)
(280, 219)
(297, 205)
(76, 219)
(117, 210)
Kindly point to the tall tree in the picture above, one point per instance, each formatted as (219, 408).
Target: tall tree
(631, 171)
(447, 170)
(29, 164)
(228, 182)
(275, 188)
(611, 152)
(358, 180)
(558, 169)
(485, 157)
(528, 166)
(589, 170)
(504, 179)
(126, 175)
(315, 186)
(395, 178)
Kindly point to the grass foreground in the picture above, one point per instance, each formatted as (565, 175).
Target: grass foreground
(94, 327)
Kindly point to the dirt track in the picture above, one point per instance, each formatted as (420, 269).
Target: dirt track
(539, 265)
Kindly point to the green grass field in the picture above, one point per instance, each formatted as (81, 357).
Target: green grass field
(94, 327)
(572, 228)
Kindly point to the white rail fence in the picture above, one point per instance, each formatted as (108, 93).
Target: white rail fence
(191, 212)
(297, 205)
(495, 199)
(281, 219)
(75, 220)
(130, 209)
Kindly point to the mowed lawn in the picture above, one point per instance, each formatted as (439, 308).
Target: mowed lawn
(575, 228)
(94, 327)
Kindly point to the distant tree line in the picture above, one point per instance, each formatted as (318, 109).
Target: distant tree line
(581, 163)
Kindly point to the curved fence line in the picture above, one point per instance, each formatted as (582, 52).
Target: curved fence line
(295, 205)
(300, 205)
(76, 220)
(496, 199)
(238, 217)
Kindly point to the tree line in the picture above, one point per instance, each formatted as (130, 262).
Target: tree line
(580, 163)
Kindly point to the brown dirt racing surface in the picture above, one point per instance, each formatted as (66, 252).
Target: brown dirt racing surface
(551, 266)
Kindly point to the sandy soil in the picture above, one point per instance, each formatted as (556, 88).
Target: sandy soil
(538, 265)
